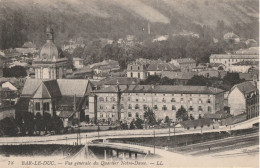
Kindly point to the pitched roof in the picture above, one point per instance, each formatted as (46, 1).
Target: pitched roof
(42, 92)
(111, 89)
(121, 81)
(233, 56)
(162, 67)
(179, 75)
(30, 86)
(66, 114)
(245, 87)
(173, 89)
(48, 89)
(71, 87)
(185, 60)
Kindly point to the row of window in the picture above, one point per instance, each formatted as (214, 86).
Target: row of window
(173, 100)
(46, 106)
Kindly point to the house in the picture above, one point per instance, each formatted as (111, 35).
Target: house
(129, 102)
(159, 68)
(252, 104)
(244, 66)
(105, 66)
(83, 73)
(185, 64)
(228, 60)
(237, 97)
(78, 63)
(120, 81)
(232, 36)
(136, 70)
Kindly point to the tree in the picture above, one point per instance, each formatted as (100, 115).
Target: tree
(123, 126)
(132, 126)
(8, 127)
(138, 123)
(232, 79)
(56, 124)
(150, 117)
(28, 122)
(182, 114)
(38, 120)
(167, 119)
(199, 81)
(15, 71)
(47, 122)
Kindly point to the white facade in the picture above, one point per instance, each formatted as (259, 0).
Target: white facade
(236, 102)
(78, 63)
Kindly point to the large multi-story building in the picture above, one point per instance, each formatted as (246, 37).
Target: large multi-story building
(231, 60)
(252, 104)
(129, 102)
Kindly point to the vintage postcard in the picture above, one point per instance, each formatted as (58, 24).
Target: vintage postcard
(129, 83)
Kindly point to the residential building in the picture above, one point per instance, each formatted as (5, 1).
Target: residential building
(181, 78)
(237, 97)
(185, 64)
(105, 66)
(244, 66)
(159, 68)
(78, 63)
(252, 104)
(129, 102)
(232, 36)
(136, 70)
(228, 60)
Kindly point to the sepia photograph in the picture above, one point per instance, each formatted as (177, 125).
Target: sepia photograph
(129, 83)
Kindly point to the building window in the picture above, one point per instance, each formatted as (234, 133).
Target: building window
(190, 100)
(137, 106)
(100, 107)
(101, 99)
(131, 74)
(129, 106)
(129, 99)
(209, 109)
(138, 68)
(113, 106)
(145, 107)
(191, 108)
(164, 107)
(155, 107)
(209, 101)
(163, 100)
(200, 101)
(173, 107)
(122, 106)
(136, 115)
(46, 106)
(113, 99)
(131, 68)
(181, 100)
(129, 114)
(37, 106)
(200, 108)
(138, 75)
(136, 100)
(172, 100)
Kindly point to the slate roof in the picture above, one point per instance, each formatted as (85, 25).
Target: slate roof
(185, 60)
(121, 81)
(233, 56)
(71, 87)
(179, 75)
(30, 86)
(162, 67)
(245, 87)
(173, 89)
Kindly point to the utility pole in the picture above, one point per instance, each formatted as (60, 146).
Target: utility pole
(154, 140)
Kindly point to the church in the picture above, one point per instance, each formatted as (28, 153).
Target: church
(50, 91)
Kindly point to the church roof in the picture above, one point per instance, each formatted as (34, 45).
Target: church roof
(47, 89)
(71, 87)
